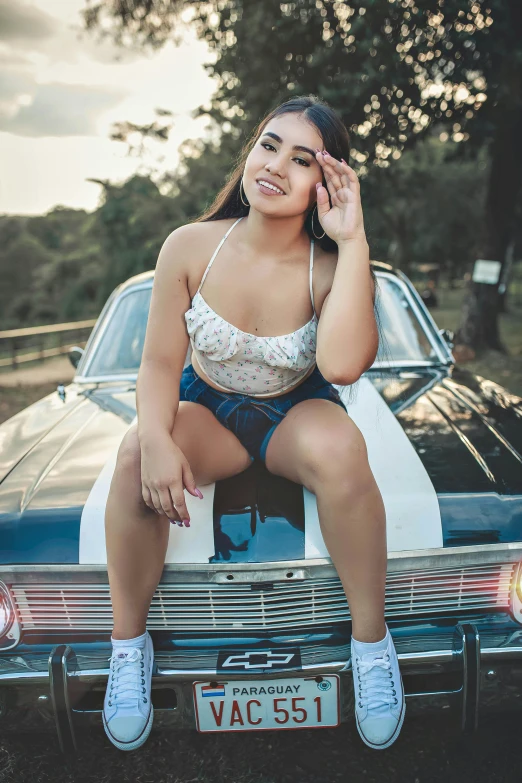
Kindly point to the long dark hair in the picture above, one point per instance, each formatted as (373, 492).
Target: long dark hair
(228, 204)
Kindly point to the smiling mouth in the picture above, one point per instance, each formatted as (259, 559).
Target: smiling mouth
(265, 186)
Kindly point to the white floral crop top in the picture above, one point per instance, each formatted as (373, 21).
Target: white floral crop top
(237, 361)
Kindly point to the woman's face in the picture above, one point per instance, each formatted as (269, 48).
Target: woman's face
(294, 171)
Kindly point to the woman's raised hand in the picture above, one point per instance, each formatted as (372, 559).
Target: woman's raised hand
(343, 221)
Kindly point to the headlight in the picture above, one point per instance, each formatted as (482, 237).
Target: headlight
(9, 630)
(516, 595)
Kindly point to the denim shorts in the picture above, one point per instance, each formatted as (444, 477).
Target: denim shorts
(253, 419)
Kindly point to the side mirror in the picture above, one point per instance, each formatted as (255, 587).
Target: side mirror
(75, 354)
(449, 337)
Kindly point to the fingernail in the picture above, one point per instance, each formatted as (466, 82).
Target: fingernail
(186, 522)
(326, 153)
(198, 493)
(179, 523)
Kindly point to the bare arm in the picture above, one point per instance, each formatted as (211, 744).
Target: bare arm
(347, 335)
(166, 338)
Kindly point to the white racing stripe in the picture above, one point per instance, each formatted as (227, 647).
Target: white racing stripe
(413, 518)
(412, 510)
(194, 544)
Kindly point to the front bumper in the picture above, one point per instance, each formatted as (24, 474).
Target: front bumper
(461, 669)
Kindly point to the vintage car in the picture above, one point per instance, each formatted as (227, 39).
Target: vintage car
(250, 623)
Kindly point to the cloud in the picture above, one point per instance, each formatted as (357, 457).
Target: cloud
(24, 22)
(47, 86)
(59, 38)
(14, 83)
(60, 110)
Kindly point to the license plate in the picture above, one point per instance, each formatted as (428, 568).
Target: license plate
(279, 703)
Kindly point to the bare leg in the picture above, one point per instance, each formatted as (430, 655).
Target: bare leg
(137, 537)
(318, 446)
(353, 525)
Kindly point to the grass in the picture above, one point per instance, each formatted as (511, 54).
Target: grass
(505, 369)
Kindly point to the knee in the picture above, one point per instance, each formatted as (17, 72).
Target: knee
(128, 461)
(340, 460)
(126, 489)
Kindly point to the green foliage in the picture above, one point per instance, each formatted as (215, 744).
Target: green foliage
(62, 266)
(392, 69)
(389, 67)
(426, 208)
(399, 73)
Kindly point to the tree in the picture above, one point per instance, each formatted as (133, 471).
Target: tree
(132, 223)
(390, 67)
(426, 208)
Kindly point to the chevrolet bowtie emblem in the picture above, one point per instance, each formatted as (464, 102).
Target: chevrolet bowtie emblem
(258, 660)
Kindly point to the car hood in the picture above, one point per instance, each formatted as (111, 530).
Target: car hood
(464, 434)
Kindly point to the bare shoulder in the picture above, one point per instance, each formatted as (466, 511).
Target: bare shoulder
(190, 244)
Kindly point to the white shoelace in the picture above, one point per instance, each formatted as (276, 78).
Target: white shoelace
(127, 677)
(375, 683)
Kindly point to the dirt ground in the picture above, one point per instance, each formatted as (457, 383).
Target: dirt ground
(22, 387)
(426, 751)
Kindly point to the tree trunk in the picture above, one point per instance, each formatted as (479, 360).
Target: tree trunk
(479, 319)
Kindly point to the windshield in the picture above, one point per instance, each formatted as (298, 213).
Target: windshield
(121, 345)
(403, 336)
(119, 348)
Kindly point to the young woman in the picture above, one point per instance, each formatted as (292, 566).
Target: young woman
(287, 310)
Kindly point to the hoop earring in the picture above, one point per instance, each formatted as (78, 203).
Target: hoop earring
(246, 203)
(313, 232)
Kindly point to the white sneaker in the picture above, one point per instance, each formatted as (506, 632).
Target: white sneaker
(380, 705)
(127, 708)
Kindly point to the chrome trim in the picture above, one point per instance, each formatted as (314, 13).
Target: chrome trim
(308, 603)
(411, 364)
(405, 560)
(405, 659)
(92, 379)
(477, 692)
(462, 652)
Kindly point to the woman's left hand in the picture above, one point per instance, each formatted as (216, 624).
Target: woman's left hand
(343, 221)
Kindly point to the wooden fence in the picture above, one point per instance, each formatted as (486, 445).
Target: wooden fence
(34, 343)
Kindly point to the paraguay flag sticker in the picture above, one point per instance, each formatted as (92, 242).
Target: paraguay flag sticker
(212, 690)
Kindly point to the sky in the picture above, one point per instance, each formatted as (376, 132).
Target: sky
(61, 90)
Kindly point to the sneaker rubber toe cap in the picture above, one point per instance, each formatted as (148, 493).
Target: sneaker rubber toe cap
(127, 728)
(379, 730)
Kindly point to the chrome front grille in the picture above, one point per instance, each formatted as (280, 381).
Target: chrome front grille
(288, 606)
